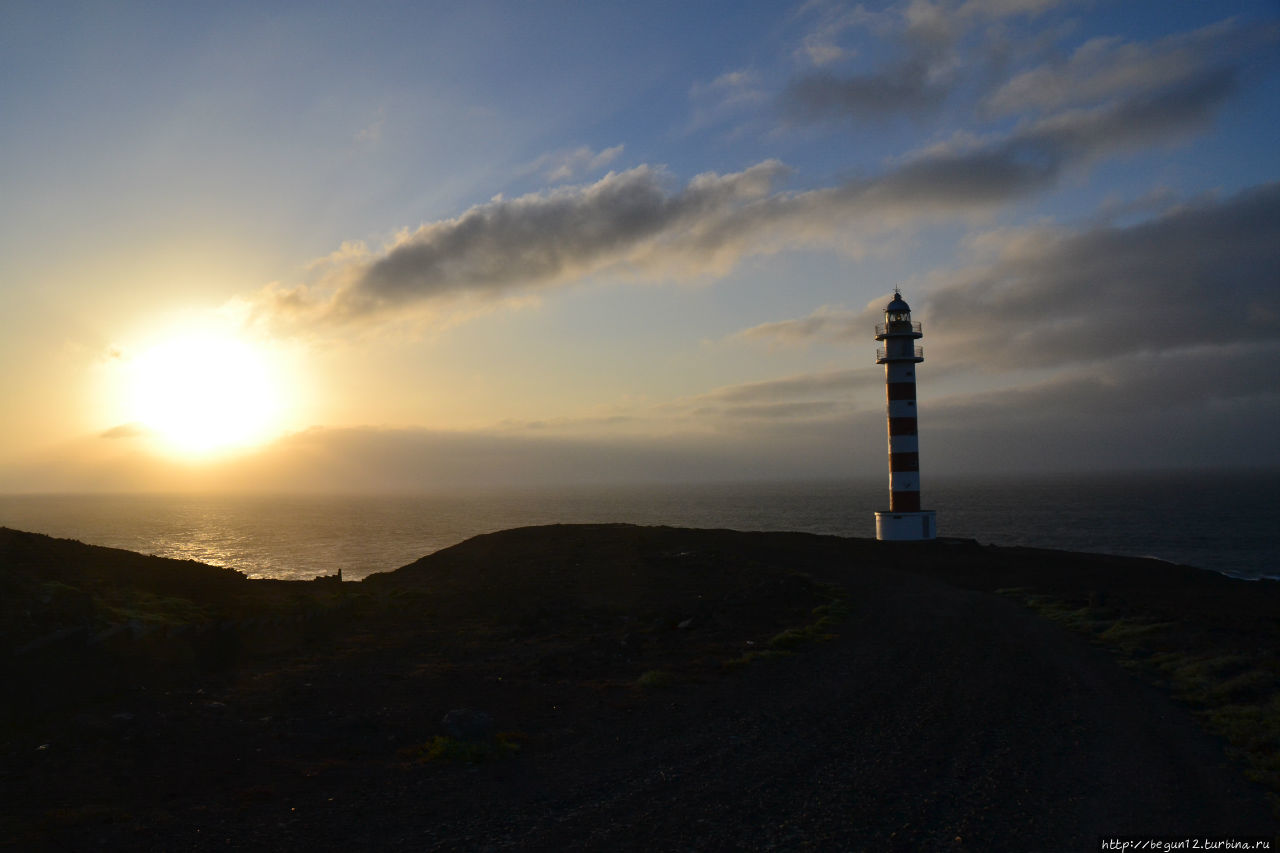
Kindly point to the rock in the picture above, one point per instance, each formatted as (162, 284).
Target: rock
(468, 724)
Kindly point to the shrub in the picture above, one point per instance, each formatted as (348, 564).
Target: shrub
(656, 678)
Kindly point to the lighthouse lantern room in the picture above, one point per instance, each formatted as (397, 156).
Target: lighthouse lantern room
(904, 521)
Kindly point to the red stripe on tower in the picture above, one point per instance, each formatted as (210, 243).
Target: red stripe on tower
(904, 521)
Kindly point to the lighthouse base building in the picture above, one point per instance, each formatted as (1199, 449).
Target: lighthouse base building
(906, 526)
(904, 521)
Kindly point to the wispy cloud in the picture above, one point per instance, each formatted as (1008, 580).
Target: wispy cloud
(827, 323)
(559, 166)
(824, 41)
(372, 132)
(725, 98)
(1106, 68)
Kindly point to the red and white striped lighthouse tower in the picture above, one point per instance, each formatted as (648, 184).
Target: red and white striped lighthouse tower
(904, 521)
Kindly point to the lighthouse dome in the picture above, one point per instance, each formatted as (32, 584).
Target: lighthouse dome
(898, 305)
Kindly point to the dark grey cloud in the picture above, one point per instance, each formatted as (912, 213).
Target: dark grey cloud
(841, 382)
(1192, 408)
(633, 218)
(943, 52)
(825, 324)
(903, 88)
(774, 411)
(362, 459)
(928, 39)
(1148, 385)
(371, 460)
(637, 222)
(1186, 409)
(1035, 156)
(1204, 275)
(1105, 68)
(1199, 409)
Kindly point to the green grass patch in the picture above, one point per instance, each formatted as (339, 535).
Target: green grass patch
(445, 748)
(756, 655)
(154, 609)
(656, 678)
(826, 618)
(1133, 634)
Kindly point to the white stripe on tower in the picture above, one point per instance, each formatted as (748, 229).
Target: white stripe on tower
(904, 444)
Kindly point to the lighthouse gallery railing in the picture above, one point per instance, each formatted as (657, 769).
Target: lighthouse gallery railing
(883, 328)
(883, 355)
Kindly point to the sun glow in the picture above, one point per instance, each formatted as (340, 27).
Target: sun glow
(204, 392)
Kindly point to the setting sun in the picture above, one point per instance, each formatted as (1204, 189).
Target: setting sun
(201, 393)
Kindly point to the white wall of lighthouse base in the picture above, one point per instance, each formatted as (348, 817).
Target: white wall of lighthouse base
(906, 526)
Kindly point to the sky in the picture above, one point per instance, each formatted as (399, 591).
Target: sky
(402, 246)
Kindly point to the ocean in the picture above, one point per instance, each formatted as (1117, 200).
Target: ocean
(1227, 521)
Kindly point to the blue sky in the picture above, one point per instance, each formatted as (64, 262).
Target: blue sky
(491, 242)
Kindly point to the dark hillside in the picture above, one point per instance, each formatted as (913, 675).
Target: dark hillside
(611, 687)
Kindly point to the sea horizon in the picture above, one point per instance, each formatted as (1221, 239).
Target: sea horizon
(1188, 517)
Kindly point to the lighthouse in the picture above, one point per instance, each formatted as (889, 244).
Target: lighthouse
(904, 521)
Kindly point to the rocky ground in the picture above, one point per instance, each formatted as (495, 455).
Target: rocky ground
(624, 688)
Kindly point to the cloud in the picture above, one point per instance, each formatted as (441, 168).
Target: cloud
(1140, 385)
(907, 87)
(916, 80)
(1201, 275)
(630, 219)
(821, 44)
(790, 388)
(724, 97)
(965, 173)
(1006, 8)
(1105, 68)
(544, 238)
(826, 323)
(371, 460)
(636, 222)
(372, 132)
(773, 411)
(560, 166)
(1173, 410)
